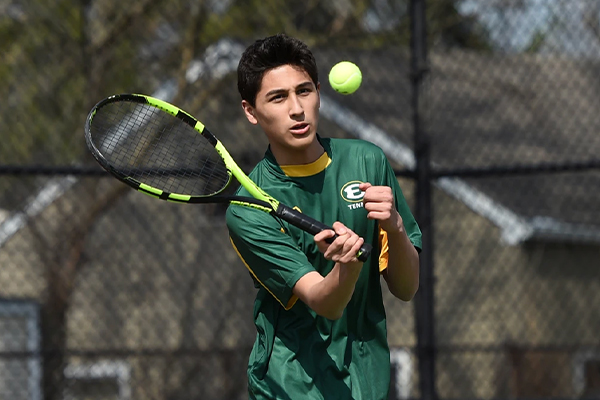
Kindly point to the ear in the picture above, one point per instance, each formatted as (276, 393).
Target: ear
(249, 111)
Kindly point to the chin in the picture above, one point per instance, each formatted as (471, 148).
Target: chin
(303, 140)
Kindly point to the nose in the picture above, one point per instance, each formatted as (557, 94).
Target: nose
(295, 106)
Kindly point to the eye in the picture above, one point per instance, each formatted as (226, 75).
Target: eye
(277, 98)
(304, 91)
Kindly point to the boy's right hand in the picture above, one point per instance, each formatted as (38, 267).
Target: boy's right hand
(344, 248)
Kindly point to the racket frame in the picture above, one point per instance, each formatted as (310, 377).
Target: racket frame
(260, 199)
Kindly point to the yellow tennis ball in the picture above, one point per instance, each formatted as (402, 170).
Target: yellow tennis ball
(345, 77)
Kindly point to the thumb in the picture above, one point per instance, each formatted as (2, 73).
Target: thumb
(364, 186)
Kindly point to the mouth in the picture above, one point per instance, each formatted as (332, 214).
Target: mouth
(300, 129)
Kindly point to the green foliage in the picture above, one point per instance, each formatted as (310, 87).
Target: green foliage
(59, 58)
(537, 42)
(39, 66)
(449, 28)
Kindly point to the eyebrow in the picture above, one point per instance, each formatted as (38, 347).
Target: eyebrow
(279, 91)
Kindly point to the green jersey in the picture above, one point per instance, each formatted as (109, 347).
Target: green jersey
(297, 353)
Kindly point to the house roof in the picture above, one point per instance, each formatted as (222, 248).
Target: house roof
(486, 111)
(479, 111)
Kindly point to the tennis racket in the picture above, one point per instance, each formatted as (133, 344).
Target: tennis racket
(164, 152)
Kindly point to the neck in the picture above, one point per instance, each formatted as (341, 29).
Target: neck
(306, 155)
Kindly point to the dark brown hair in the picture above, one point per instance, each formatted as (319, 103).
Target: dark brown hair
(267, 54)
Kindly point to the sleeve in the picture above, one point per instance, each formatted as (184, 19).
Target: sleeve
(271, 256)
(410, 224)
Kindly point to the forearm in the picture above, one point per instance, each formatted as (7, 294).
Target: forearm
(328, 296)
(402, 273)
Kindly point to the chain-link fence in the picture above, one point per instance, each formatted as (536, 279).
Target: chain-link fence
(106, 293)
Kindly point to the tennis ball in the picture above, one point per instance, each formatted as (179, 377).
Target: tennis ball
(345, 77)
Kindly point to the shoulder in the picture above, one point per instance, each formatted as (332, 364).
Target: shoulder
(250, 223)
(353, 150)
(241, 214)
(355, 146)
(259, 175)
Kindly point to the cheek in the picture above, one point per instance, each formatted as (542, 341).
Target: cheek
(315, 108)
(271, 118)
(265, 114)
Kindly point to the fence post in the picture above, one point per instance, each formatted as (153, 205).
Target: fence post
(424, 299)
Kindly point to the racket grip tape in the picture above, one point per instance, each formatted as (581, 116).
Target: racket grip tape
(313, 227)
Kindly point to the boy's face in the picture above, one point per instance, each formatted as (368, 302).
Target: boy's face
(287, 109)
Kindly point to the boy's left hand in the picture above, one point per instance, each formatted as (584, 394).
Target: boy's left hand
(379, 202)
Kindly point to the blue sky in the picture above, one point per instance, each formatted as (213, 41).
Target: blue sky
(513, 27)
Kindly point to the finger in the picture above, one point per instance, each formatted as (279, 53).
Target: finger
(349, 241)
(334, 250)
(372, 195)
(341, 245)
(357, 246)
(351, 248)
(379, 207)
(379, 194)
(379, 215)
(340, 228)
(364, 186)
(324, 235)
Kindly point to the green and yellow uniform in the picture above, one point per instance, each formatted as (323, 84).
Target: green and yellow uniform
(297, 353)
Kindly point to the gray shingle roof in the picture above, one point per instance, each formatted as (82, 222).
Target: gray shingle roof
(485, 111)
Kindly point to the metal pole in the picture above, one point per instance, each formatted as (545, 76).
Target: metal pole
(424, 299)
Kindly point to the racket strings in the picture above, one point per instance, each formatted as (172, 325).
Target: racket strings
(157, 149)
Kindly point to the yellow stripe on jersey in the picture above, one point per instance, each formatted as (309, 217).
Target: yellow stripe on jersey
(307, 169)
(385, 248)
(292, 300)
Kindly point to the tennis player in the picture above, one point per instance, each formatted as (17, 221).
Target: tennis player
(319, 313)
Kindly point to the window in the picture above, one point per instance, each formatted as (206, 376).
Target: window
(20, 364)
(98, 380)
(586, 374)
(401, 379)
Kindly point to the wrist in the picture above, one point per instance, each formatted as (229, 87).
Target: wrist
(397, 231)
(397, 228)
(350, 269)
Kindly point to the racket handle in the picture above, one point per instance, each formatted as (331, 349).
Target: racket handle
(313, 227)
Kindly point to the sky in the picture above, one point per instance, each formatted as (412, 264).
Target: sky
(514, 23)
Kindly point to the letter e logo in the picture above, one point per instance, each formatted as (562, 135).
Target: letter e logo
(351, 193)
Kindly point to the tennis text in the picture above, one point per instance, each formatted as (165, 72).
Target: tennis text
(354, 206)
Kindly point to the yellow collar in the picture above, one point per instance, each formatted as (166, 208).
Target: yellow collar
(307, 169)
